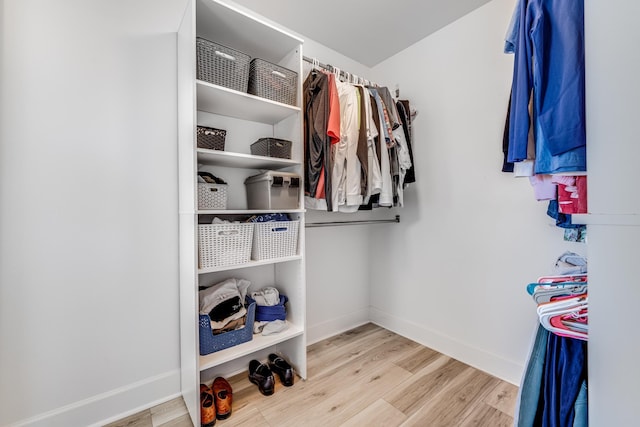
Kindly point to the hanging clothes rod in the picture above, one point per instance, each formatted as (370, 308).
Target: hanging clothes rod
(363, 222)
(342, 73)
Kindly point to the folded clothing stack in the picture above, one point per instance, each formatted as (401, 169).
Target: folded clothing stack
(223, 303)
(271, 312)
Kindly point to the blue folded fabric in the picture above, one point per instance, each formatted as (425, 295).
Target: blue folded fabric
(268, 313)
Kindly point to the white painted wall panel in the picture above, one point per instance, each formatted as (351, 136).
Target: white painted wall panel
(88, 219)
(453, 274)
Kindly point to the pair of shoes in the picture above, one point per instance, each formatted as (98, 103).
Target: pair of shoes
(223, 396)
(261, 375)
(207, 407)
(215, 402)
(282, 368)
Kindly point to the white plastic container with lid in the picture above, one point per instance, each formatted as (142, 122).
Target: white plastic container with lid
(273, 190)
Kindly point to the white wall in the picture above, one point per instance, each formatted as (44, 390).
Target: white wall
(88, 220)
(452, 275)
(613, 90)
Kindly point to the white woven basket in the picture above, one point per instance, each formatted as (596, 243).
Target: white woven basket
(212, 196)
(276, 239)
(224, 244)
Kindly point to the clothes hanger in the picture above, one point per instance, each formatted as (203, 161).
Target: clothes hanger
(552, 315)
(531, 287)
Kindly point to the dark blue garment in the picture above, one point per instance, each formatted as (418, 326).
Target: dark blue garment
(549, 60)
(562, 220)
(565, 372)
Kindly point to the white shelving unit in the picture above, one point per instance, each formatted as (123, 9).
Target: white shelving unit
(246, 118)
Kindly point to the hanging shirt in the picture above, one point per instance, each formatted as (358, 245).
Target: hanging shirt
(386, 193)
(317, 144)
(549, 60)
(346, 166)
(374, 178)
(333, 132)
(404, 112)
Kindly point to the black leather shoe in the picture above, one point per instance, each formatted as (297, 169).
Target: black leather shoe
(261, 375)
(281, 367)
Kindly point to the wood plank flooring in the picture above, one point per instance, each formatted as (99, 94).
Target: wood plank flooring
(369, 377)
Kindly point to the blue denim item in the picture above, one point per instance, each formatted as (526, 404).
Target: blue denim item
(546, 163)
(564, 372)
(581, 407)
(562, 220)
(529, 402)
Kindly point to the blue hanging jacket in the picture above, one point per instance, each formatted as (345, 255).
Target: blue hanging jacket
(549, 60)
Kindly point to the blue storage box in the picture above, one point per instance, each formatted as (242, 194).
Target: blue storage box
(268, 313)
(210, 343)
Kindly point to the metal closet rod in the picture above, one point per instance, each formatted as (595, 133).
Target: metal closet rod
(363, 222)
(330, 67)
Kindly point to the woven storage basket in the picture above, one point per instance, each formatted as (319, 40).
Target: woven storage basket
(224, 244)
(211, 138)
(222, 65)
(272, 147)
(212, 196)
(272, 81)
(275, 239)
(210, 343)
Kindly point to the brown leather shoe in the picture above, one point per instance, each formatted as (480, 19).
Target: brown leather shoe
(223, 396)
(207, 407)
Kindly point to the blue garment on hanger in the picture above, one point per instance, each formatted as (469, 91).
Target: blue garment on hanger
(549, 59)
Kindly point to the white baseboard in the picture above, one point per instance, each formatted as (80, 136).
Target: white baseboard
(98, 410)
(336, 325)
(504, 369)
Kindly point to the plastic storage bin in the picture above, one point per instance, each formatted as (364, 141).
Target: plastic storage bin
(273, 190)
(224, 244)
(222, 65)
(275, 239)
(210, 343)
(212, 196)
(272, 147)
(272, 81)
(211, 138)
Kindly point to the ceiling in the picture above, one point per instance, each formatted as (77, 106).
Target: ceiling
(368, 31)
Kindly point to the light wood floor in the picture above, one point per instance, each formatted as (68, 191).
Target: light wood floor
(364, 377)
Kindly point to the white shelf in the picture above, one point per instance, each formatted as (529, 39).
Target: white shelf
(241, 160)
(258, 342)
(246, 116)
(606, 219)
(246, 211)
(249, 264)
(232, 27)
(232, 103)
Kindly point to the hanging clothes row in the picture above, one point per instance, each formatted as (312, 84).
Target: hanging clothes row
(544, 133)
(357, 143)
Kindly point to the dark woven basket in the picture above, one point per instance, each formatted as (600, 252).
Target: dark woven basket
(211, 138)
(272, 81)
(222, 65)
(272, 147)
